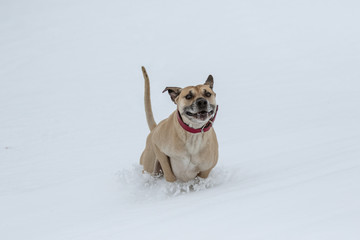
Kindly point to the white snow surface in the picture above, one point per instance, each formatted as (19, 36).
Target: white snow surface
(72, 122)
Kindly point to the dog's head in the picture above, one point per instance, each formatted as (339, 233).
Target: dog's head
(196, 104)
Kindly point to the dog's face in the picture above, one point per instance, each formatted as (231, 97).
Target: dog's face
(196, 104)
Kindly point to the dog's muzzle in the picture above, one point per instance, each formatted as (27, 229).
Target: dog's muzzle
(200, 109)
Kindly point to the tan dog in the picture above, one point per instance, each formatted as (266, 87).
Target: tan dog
(184, 145)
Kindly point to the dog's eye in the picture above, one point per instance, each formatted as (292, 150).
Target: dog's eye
(189, 96)
(207, 94)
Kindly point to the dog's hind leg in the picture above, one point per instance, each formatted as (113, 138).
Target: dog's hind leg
(148, 159)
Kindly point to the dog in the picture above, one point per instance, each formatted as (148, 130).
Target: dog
(184, 145)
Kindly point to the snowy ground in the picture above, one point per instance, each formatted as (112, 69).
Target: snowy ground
(72, 122)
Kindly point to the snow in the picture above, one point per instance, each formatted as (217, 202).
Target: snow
(72, 123)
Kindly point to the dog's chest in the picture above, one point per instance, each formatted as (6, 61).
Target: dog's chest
(187, 165)
(186, 168)
(195, 144)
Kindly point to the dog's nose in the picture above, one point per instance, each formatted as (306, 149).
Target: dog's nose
(201, 102)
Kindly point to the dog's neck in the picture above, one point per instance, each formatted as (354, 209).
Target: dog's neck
(200, 129)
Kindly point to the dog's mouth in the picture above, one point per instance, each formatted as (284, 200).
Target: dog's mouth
(202, 115)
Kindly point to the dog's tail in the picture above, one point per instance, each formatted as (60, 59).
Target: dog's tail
(148, 111)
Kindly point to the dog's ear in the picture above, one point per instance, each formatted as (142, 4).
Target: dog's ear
(210, 81)
(173, 92)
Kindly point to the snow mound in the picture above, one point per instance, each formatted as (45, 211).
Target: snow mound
(145, 186)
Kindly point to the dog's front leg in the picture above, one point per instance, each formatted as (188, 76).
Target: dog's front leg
(205, 174)
(165, 164)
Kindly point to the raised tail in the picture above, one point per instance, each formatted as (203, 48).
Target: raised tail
(148, 111)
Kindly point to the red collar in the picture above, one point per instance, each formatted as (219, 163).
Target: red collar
(205, 128)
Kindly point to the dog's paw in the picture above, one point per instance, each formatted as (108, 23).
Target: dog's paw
(170, 178)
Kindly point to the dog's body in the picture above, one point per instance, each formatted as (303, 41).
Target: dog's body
(174, 151)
